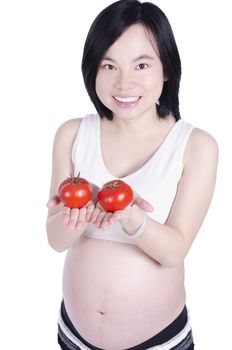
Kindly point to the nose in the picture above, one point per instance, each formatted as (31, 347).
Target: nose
(125, 81)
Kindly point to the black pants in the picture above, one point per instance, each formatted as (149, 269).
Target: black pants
(165, 335)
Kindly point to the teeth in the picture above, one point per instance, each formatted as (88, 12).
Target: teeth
(127, 99)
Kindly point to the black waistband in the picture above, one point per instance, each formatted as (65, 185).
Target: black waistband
(165, 335)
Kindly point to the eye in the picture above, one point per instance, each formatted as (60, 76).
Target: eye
(109, 67)
(142, 66)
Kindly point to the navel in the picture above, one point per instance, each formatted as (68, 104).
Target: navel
(101, 312)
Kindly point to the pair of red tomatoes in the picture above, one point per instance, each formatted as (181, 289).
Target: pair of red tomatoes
(75, 192)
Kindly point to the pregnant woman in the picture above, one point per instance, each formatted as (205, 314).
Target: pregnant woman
(123, 278)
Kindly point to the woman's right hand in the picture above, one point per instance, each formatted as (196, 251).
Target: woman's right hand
(75, 219)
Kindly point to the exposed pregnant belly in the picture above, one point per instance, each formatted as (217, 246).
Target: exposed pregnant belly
(116, 296)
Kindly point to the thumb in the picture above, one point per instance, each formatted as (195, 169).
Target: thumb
(53, 201)
(142, 203)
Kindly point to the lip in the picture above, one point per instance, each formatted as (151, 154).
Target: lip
(126, 104)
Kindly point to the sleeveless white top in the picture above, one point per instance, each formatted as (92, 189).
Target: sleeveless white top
(156, 181)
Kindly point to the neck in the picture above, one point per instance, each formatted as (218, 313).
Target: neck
(138, 125)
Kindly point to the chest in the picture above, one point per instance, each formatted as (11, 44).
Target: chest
(123, 157)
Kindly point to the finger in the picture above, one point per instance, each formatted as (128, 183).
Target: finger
(94, 215)
(74, 213)
(53, 201)
(145, 205)
(113, 218)
(89, 211)
(81, 218)
(116, 216)
(100, 218)
(98, 205)
(142, 203)
(66, 215)
(106, 221)
(120, 215)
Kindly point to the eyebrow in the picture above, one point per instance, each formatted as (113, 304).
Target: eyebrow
(147, 57)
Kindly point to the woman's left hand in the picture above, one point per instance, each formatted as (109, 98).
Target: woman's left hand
(103, 219)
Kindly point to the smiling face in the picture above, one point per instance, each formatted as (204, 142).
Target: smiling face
(130, 78)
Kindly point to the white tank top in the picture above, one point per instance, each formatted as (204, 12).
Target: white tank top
(156, 181)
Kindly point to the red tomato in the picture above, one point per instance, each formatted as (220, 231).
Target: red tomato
(75, 192)
(67, 181)
(115, 195)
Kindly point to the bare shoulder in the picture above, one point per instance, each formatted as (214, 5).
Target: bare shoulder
(62, 148)
(68, 129)
(62, 165)
(201, 145)
(200, 136)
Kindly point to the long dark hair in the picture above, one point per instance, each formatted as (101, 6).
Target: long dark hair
(108, 26)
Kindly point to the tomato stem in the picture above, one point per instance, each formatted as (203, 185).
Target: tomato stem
(75, 179)
(114, 184)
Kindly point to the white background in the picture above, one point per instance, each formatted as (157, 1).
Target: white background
(41, 86)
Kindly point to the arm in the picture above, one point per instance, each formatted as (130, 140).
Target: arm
(62, 231)
(169, 243)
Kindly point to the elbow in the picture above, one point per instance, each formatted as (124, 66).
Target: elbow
(173, 259)
(175, 256)
(54, 243)
(172, 262)
(56, 247)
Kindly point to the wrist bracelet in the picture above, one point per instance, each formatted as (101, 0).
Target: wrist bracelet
(141, 228)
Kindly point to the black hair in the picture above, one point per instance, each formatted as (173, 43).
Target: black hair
(108, 26)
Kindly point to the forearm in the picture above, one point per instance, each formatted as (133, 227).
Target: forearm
(162, 243)
(61, 238)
